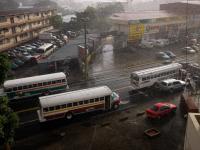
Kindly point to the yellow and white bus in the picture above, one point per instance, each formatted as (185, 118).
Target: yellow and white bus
(148, 77)
(66, 105)
(46, 50)
(35, 86)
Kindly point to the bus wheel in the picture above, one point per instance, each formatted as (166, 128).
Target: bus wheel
(69, 115)
(115, 106)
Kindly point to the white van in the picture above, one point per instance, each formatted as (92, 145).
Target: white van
(146, 44)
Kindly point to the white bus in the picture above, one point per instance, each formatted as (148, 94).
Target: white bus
(66, 105)
(46, 49)
(36, 85)
(148, 77)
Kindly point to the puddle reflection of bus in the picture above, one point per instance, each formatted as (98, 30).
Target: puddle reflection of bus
(35, 86)
(66, 105)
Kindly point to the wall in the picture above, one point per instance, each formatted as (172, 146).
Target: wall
(192, 135)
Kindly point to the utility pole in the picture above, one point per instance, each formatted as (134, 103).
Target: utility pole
(85, 45)
(86, 63)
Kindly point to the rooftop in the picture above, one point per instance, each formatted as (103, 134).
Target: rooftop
(191, 2)
(141, 15)
(23, 11)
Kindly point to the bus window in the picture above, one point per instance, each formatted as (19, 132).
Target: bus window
(80, 103)
(63, 106)
(91, 100)
(101, 98)
(49, 83)
(25, 87)
(39, 84)
(19, 87)
(58, 81)
(53, 82)
(69, 105)
(44, 83)
(86, 101)
(30, 86)
(45, 109)
(63, 80)
(8, 90)
(51, 108)
(96, 99)
(15, 89)
(34, 85)
(57, 107)
(75, 103)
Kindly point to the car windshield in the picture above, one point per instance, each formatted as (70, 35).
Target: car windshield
(154, 108)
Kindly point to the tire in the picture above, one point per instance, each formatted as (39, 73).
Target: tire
(174, 111)
(171, 91)
(115, 106)
(69, 116)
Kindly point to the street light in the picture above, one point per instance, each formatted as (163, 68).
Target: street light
(85, 20)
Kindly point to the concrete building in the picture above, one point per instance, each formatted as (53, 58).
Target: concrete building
(168, 22)
(19, 26)
(192, 135)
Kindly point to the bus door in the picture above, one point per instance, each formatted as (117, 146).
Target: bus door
(107, 102)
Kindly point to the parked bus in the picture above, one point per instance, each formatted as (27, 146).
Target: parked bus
(46, 49)
(148, 77)
(36, 85)
(66, 105)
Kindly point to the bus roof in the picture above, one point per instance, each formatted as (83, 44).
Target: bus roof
(73, 96)
(157, 69)
(34, 79)
(46, 45)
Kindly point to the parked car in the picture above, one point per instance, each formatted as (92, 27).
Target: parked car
(170, 54)
(189, 50)
(195, 47)
(171, 85)
(160, 110)
(27, 56)
(18, 62)
(71, 34)
(162, 55)
(14, 66)
(146, 44)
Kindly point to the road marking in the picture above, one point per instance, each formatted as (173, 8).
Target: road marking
(26, 110)
(31, 121)
(124, 87)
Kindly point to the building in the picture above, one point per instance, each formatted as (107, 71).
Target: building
(22, 25)
(192, 135)
(169, 22)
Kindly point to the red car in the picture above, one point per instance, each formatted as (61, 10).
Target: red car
(161, 109)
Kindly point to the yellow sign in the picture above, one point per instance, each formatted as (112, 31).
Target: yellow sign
(136, 32)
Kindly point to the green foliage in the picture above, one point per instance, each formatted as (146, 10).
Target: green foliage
(9, 121)
(4, 67)
(97, 18)
(56, 21)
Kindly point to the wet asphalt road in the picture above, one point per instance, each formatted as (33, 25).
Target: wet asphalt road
(110, 68)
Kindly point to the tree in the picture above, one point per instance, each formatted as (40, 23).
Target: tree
(9, 121)
(57, 21)
(4, 67)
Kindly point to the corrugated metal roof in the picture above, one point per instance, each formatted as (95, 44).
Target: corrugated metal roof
(64, 98)
(23, 11)
(141, 15)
